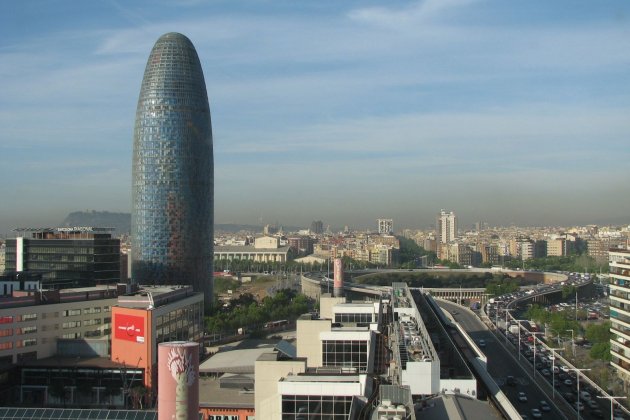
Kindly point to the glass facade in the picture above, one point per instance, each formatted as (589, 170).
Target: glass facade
(358, 318)
(173, 171)
(346, 353)
(68, 262)
(315, 407)
(183, 324)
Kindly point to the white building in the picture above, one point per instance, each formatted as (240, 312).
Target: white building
(385, 226)
(619, 269)
(446, 226)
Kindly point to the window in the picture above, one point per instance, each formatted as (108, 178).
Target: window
(6, 332)
(26, 330)
(345, 353)
(26, 342)
(71, 324)
(316, 407)
(27, 317)
(71, 312)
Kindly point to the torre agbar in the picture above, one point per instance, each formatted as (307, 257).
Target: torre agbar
(173, 171)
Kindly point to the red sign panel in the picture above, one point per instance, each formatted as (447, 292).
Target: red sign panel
(129, 327)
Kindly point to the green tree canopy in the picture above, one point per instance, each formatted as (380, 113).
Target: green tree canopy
(598, 333)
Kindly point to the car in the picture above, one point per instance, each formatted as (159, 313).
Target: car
(592, 404)
(536, 413)
(568, 382)
(510, 380)
(482, 343)
(569, 397)
(544, 406)
(522, 397)
(545, 372)
(579, 406)
(564, 368)
(598, 414)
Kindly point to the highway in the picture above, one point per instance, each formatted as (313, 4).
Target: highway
(503, 363)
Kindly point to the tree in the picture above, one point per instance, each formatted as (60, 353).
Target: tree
(137, 394)
(598, 333)
(601, 351)
(568, 291)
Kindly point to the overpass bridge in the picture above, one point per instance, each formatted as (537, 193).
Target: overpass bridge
(313, 284)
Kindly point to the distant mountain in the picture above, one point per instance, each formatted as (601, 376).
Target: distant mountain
(122, 222)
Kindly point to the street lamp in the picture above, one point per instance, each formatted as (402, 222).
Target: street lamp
(507, 313)
(557, 334)
(553, 368)
(612, 401)
(572, 341)
(519, 336)
(577, 378)
(534, 333)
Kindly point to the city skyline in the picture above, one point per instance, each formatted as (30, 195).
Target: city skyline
(512, 114)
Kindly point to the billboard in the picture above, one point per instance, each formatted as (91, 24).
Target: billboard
(129, 327)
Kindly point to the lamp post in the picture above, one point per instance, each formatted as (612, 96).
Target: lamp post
(496, 316)
(553, 368)
(577, 378)
(572, 341)
(534, 333)
(507, 313)
(519, 336)
(612, 401)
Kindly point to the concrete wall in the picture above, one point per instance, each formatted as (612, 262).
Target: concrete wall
(268, 373)
(308, 343)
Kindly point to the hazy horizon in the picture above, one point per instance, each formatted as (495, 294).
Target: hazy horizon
(345, 112)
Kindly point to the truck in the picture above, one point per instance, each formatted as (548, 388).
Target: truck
(513, 329)
(475, 305)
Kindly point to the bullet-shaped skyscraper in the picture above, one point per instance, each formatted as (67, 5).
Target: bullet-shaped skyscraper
(173, 171)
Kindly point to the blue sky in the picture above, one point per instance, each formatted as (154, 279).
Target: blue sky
(506, 112)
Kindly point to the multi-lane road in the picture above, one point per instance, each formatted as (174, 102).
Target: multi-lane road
(503, 362)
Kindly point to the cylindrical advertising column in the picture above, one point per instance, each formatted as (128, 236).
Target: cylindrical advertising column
(178, 380)
(338, 278)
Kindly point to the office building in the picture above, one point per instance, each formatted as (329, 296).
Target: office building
(619, 296)
(301, 245)
(317, 227)
(32, 322)
(65, 256)
(173, 171)
(369, 357)
(150, 316)
(446, 227)
(385, 226)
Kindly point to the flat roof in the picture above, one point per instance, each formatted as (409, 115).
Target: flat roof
(456, 407)
(315, 377)
(212, 395)
(238, 359)
(248, 248)
(76, 362)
